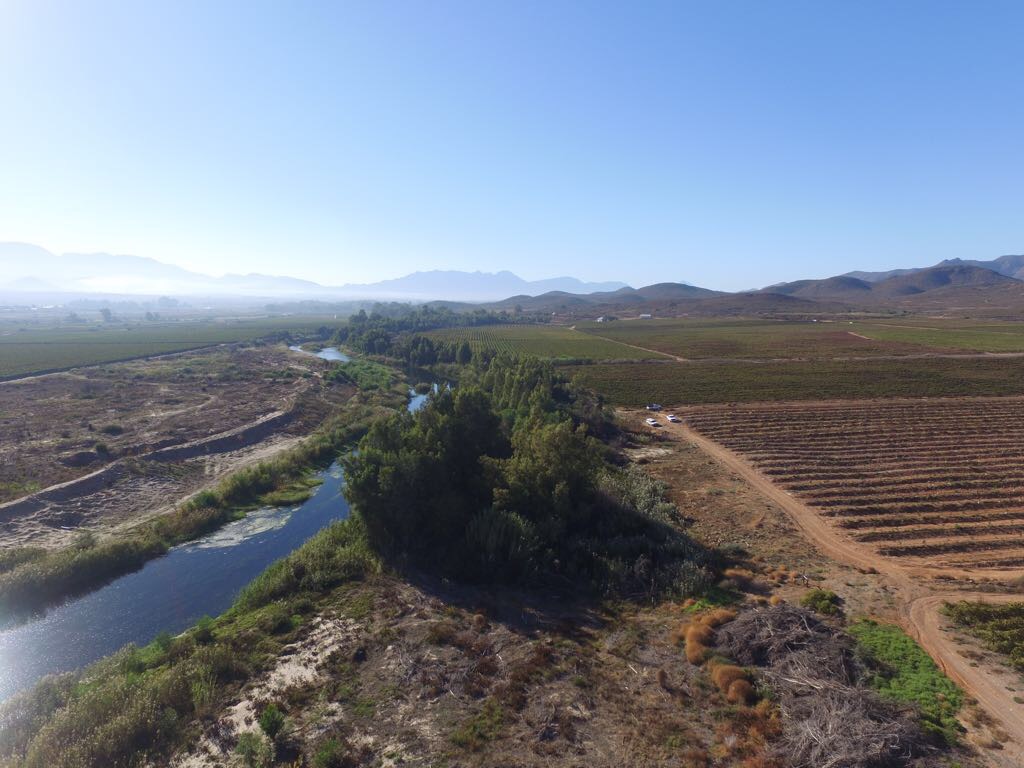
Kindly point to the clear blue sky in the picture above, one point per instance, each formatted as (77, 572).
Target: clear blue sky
(730, 144)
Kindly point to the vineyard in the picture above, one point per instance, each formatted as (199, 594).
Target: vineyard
(693, 383)
(545, 341)
(27, 350)
(773, 339)
(932, 483)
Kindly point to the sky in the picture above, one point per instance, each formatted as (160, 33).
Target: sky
(727, 144)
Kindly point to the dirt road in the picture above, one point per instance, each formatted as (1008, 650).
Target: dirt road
(918, 603)
(654, 352)
(924, 622)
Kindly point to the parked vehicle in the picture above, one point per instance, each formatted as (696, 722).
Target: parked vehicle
(674, 419)
(653, 407)
(652, 422)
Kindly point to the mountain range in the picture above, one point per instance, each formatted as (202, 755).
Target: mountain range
(995, 286)
(29, 268)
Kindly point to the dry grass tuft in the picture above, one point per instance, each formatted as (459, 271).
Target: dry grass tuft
(700, 633)
(718, 617)
(696, 652)
(724, 675)
(740, 692)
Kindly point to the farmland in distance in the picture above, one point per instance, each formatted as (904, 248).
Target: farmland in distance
(544, 341)
(770, 339)
(632, 384)
(27, 348)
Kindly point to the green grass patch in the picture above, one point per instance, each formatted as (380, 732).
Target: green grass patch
(365, 374)
(904, 672)
(482, 728)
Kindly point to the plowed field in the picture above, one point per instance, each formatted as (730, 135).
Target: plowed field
(939, 482)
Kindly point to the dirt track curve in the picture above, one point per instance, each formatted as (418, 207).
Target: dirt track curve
(919, 606)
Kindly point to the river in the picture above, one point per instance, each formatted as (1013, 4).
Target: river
(327, 353)
(170, 593)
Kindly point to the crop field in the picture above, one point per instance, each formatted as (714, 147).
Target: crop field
(954, 336)
(633, 384)
(545, 341)
(929, 482)
(26, 349)
(770, 339)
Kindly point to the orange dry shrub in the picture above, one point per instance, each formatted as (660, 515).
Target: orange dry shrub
(724, 675)
(766, 722)
(740, 692)
(700, 633)
(741, 577)
(696, 652)
(717, 617)
(776, 600)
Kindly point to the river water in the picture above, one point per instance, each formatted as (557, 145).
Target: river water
(327, 353)
(170, 593)
(167, 594)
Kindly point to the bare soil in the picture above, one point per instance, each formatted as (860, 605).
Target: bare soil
(105, 447)
(428, 675)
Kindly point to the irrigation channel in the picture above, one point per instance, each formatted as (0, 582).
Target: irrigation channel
(169, 594)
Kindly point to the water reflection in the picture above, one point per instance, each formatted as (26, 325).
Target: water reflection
(167, 594)
(327, 353)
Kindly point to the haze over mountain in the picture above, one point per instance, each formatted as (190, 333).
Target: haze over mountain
(29, 268)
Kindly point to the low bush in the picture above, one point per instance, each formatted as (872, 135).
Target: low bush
(824, 601)
(254, 750)
(272, 721)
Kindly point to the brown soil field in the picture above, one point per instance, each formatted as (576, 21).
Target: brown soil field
(937, 483)
(106, 446)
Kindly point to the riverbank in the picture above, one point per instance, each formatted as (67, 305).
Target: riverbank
(32, 579)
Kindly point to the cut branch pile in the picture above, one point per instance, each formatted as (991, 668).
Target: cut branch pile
(831, 719)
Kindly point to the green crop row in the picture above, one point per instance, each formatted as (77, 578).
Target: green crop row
(544, 341)
(633, 384)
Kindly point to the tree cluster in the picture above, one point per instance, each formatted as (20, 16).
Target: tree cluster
(395, 334)
(500, 480)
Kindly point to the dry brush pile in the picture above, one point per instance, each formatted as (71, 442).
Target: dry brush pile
(937, 480)
(830, 718)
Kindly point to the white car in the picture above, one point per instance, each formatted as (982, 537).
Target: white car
(652, 422)
(674, 419)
